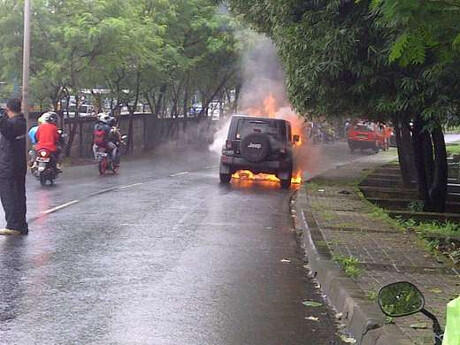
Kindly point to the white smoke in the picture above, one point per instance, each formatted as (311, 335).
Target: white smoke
(219, 137)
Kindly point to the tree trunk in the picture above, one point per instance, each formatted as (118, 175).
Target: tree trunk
(419, 159)
(431, 165)
(438, 190)
(130, 143)
(72, 132)
(73, 129)
(405, 151)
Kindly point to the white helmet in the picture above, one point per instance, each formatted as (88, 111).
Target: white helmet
(103, 117)
(50, 117)
(41, 120)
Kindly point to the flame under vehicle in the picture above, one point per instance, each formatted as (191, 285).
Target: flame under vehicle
(259, 145)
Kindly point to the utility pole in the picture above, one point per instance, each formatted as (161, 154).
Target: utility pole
(26, 62)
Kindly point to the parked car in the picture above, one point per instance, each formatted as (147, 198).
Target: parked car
(260, 145)
(368, 135)
(83, 110)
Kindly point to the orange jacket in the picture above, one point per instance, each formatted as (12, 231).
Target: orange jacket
(47, 137)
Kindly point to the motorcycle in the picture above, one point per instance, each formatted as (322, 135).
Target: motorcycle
(44, 167)
(105, 159)
(403, 299)
(43, 163)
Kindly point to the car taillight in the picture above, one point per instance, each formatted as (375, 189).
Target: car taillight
(228, 144)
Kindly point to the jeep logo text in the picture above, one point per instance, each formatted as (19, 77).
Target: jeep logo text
(255, 146)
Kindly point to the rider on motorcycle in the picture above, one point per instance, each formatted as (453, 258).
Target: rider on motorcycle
(106, 136)
(33, 140)
(48, 136)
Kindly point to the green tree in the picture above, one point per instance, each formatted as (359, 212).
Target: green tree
(335, 56)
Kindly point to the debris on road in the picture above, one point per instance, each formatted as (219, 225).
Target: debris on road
(312, 304)
(419, 325)
(348, 340)
(312, 318)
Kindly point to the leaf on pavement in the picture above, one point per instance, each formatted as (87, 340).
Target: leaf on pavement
(419, 325)
(312, 304)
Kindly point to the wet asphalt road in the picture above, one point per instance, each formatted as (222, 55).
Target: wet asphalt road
(160, 254)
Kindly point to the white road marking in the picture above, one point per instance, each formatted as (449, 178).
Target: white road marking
(102, 191)
(179, 174)
(73, 202)
(60, 207)
(131, 185)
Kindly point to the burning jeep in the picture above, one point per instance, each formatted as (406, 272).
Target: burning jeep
(258, 145)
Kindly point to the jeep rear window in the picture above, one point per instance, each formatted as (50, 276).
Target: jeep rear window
(247, 126)
(362, 128)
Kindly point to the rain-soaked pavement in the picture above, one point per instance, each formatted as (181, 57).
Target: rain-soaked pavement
(161, 254)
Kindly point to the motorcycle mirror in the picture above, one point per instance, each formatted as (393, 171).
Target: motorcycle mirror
(296, 138)
(400, 299)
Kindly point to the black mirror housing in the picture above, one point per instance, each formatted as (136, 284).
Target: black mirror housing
(296, 138)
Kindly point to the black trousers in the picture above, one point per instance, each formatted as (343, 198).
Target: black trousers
(13, 197)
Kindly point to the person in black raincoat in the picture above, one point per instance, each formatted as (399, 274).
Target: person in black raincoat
(13, 168)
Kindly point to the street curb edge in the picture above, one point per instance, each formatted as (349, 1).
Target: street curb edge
(362, 317)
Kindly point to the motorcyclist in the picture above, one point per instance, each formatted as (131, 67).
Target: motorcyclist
(115, 137)
(48, 136)
(104, 136)
(33, 140)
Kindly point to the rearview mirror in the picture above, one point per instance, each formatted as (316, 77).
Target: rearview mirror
(400, 299)
(296, 138)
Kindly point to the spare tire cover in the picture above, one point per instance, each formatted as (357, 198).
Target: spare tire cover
(255, 147)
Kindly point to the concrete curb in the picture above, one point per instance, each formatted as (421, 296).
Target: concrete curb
(363, 318)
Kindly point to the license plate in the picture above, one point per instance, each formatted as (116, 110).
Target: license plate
(45, 160)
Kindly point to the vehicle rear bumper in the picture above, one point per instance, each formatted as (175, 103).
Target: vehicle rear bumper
(365, 144)
(231, 164)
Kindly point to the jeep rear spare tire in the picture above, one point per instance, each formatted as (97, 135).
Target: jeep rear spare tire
(255, 147)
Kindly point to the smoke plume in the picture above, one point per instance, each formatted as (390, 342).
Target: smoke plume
(264, 94)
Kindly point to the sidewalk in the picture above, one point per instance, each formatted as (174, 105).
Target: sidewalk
(338, 223)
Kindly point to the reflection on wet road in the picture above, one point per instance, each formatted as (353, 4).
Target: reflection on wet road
(161, 254)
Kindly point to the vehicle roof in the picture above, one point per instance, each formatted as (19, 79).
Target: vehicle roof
(250, 117)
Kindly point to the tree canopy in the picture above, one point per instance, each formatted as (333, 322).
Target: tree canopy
(380, 59)
(165, 53)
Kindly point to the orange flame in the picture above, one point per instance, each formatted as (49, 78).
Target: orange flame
(271, 109)
(249, 175)
(268, 109)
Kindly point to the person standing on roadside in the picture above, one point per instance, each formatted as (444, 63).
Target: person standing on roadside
(13, 168)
